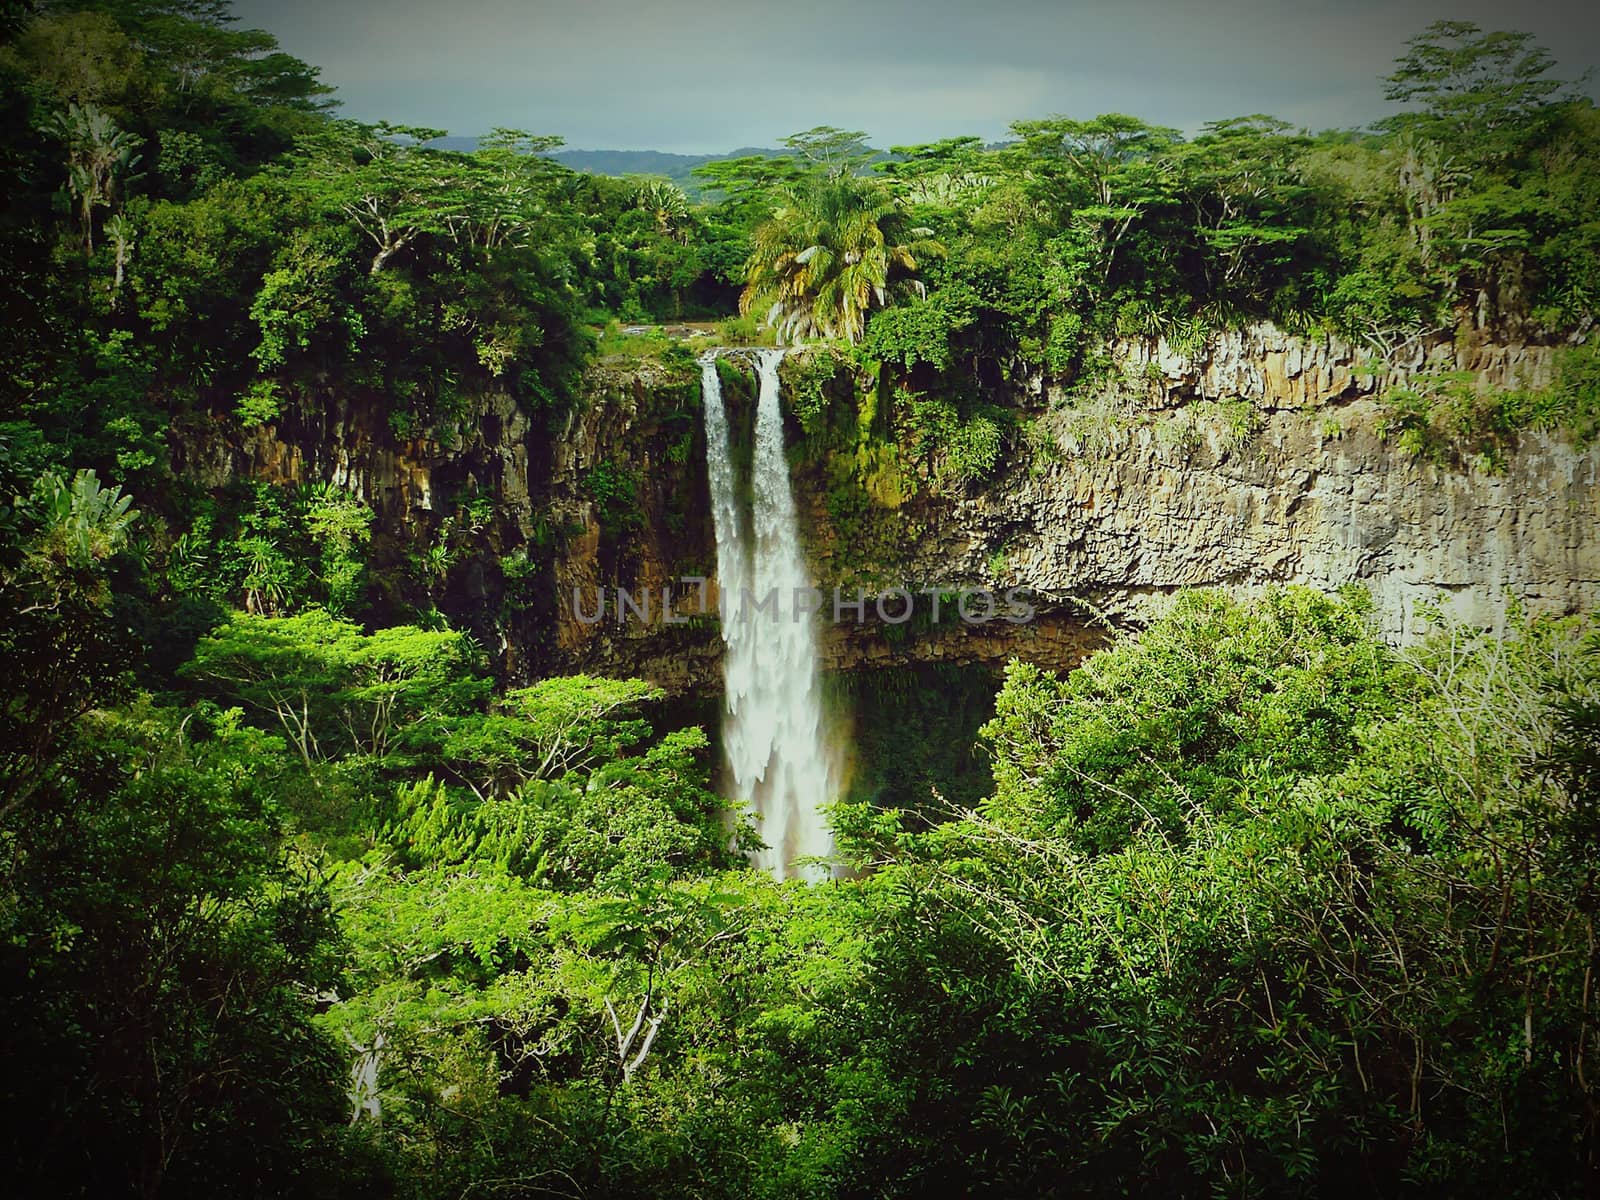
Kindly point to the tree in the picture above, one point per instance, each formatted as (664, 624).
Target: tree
(83, 58)
(518, 174)
(739, 183)
(1090, 156)
(546, 731)
(1103, 173)
(330, 687)
(667, 206)
(831, 150)
(1239, 176)
(831, 252)
(386, 181)
(940, 173)
(1150, 738)
(1481, 94)
(159, 957)
(746, 190)
(1485, 104)
(1338, 924)
(65, 652)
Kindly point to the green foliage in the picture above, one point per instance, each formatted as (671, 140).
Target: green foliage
(275, 550)
(259, 404)
(1097, 426)
(1451, 217)
(1238, 868)
(614, 489)
(1474, 91)
(546, 731)
(1235, 896)
(1250, 904)
(1574, 401)
(66, 650)
(911, 335)
(1447, 417)
(339, 526)
(1044, 449)
(331, 688)
(1150, 738)
(961, 449)
(99, 157)
(739, 331)
(811, 385)
(161, 955)
(1236, 422)
(82, 524)
(1064, 342)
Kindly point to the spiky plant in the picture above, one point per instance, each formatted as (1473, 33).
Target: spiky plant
(667, 203)
(99, 154)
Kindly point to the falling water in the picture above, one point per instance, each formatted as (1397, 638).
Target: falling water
(772, 725)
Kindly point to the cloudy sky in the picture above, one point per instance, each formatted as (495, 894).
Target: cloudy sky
(713, 75)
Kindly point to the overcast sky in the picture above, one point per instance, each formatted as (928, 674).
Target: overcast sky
(713, 75)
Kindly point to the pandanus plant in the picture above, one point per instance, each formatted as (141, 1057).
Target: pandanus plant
(833, 250)
(99, 155)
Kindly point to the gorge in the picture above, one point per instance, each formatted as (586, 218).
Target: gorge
(1060, 663)
(1256, 459)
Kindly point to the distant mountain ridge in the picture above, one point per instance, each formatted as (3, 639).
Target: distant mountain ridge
(677, 167)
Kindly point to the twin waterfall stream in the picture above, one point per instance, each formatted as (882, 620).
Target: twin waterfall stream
(773, 735)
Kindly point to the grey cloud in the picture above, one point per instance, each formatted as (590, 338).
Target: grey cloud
(721, 73)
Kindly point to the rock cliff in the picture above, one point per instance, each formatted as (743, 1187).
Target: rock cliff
(1250, 460)
(1158, 486)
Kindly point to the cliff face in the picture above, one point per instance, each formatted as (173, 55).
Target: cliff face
(1285, 481)
(418, 486)
(1252, 461)
(647, 427)
(611, 495)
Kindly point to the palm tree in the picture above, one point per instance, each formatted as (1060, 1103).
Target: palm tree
(835, 248)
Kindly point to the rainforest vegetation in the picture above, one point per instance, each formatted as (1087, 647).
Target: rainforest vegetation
(302, 895)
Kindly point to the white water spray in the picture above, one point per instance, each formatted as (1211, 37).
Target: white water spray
(772, 722)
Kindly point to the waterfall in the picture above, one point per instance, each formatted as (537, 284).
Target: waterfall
(773, 738)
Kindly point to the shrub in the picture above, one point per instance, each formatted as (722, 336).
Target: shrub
(615, 491)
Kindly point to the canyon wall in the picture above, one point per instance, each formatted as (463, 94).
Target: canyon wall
(1254, 459)
(1258, 460)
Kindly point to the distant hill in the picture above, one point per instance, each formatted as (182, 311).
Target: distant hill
(676, 167)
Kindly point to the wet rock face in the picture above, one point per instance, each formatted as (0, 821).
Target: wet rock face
(1056, 640)
(1284, 481)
